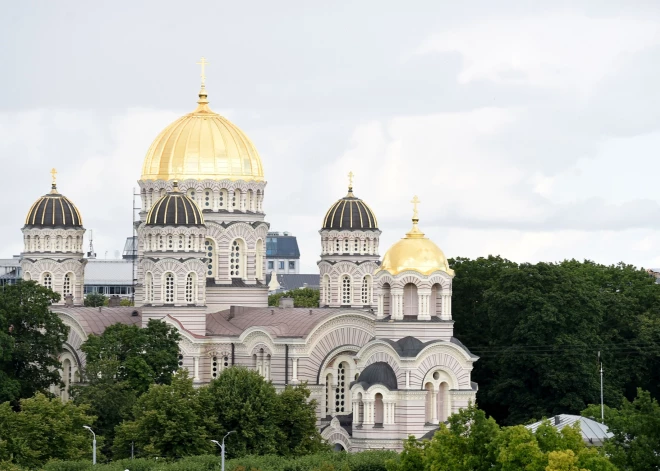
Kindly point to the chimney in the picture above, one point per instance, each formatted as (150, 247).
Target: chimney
(557, 420)
(232, 312)
(286, 303)
(114, 301)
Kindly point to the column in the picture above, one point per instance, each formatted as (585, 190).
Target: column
(368, 412)
(379, 312)
(294, 379)
(230, 198)
(434, 407)
(216, 199)
(396, 303)
(331, 398)
(449, 305)
(423, 313)
(195, 368)
(407, 379)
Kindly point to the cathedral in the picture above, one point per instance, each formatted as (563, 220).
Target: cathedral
(378, 354)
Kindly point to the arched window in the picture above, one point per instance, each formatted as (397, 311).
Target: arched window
(356, 246)
(237, 259)
(410, 300)
(214, 367)
(429, 403)
(341, 391)
(366, 290)
(181, 241)
(47, 243)
(28, 244)
(260, 259)
(386, 299)
(346, 290)
(67, 243)
(329, 399)
(211, 264)
(326, 289)
(67, 379)
(364, 246)
(191, 241)
(48, 280)
(345, 245)
(267, 368)
(27, 276)
(207, 200)
(58, 243)
(236, 199)
(170, 243)
(66, 285)
(150, 244)
(191, 287)
(160, 242)
(378, 409)
(222, 199)
(169, 288)
(337, 246)
(149, 288)
(443, 402)
(435, 303)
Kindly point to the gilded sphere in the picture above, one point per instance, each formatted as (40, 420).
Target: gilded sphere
(415, 253)
(202, 145)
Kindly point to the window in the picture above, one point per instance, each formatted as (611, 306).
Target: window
(149, 288)
(260, 259)
(48, 280)
(170, 242)
(271, 264)
(214, 367)
(346, 290)
(190, 242)
(169, 287)
(209, 246)
(337, 246)
(207, 198)
(190, 287)
(292, 265)
(27, 276)
(356, 246)
(180, 360)
(345, 245)
(160, 242)
(366, 290)
(181, 239)
(410, 300)
(280, 265)
(236, 259)
(66, 286)
(364, 246)
(341, 390)
(222, 197)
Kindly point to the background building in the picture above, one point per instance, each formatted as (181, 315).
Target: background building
(282, 253)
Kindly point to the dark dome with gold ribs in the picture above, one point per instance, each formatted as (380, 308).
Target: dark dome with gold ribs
(350, 214)
(53, 210)
(175, 209)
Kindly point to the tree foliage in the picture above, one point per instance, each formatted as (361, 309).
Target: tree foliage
(537, 329)
(635, 445)
(31, 337)
(302, 297)
(95, 300)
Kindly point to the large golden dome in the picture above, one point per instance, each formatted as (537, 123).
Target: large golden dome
(202, 145)
(416, 253)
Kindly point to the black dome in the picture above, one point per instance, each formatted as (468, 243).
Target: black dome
(53, 210)
(378, 373)
(175, 209)
(350, 214)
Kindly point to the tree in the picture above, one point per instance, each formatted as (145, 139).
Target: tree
(44, 429)
(141, 356)
(241, 400)
(31, 337)
(302, 297)
(635, 445)
(96, 300)
(168, 422)
(296, 420)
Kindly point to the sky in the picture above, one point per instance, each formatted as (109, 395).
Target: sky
(528, 129)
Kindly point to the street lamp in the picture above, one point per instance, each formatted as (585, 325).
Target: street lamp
(93, 443)
(222, 448)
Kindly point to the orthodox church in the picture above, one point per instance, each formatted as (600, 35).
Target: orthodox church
(378, 354)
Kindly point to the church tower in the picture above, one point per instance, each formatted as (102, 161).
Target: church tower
(53, 246)
(349, 253)
(218, 168)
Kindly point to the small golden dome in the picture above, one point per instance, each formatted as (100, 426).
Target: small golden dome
(415, 253)
(202, 145)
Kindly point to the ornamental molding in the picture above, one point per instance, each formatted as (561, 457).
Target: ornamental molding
(362, 234)
(360, 321)
(201, 185)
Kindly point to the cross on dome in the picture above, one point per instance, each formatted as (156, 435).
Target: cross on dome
(415, 201)
(203, 62)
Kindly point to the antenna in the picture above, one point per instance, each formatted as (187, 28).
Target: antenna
(91, 254)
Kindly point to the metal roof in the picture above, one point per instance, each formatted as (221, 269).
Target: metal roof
(109, 272)
(593, 433)
(280, 246)
(296, 280)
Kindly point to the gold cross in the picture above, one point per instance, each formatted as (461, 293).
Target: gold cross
(415, 201)
(203, 62)
(53, 173)
(350, 179)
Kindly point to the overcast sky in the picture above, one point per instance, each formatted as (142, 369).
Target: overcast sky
(527, 131)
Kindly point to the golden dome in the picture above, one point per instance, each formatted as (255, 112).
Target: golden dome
(202, 145)
(416, 253)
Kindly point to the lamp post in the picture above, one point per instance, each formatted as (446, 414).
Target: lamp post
(93, 443)
(222, 448)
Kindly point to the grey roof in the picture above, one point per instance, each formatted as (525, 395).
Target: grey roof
(95, 320)
(593, 433)
(409, 347)
(130, 248)
(296, 280)
(379, 372)
(281, 246)
(109, 272)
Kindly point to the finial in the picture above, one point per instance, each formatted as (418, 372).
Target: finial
(203, 100)
(203, 62)
(175, 185)
(415, 233)
(53, 174)
(350, 183)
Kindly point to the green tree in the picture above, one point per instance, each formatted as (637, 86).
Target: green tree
(241, 400)
(95, 300)
(141, 356)
(31, 337)
(296, 420)
(168, 422)
(635, 445)
(302, 297)
(44, 429)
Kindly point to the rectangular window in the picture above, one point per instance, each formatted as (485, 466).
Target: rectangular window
(292, 265)
(270, 264)
(281, 265)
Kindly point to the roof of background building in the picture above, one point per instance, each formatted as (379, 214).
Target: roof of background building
(130, 248)
(279, 322)
(296, 280)
(593, 432)
(281, 246)
(95, 320)
(109, 272)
